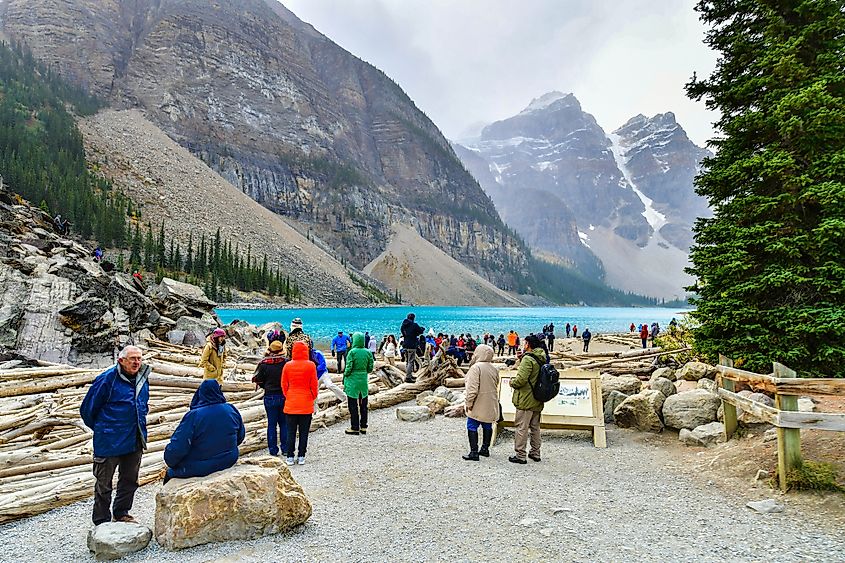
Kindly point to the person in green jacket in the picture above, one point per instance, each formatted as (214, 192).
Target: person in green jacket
(359, 364)
(528, 409)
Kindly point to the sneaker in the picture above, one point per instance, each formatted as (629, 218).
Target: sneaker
(352, 432)
(363, 430)
(514, 459)
(125, 518)
(289, 461)
(533, 457)
(301, 460)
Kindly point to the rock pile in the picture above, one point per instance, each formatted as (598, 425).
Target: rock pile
(443, 400)
(58, 304)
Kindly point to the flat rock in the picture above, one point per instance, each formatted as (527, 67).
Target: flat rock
(256, 497)
(414, 414)
(768, 506)
(113, 540)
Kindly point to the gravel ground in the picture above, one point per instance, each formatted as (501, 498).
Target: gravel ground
(402, 493)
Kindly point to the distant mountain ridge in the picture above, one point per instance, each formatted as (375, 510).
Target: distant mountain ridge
(621, 204)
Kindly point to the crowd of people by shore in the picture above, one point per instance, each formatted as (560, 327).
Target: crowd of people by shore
(290, 374)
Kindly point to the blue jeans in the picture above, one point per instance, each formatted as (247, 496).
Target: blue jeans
(472, 425)
(276, 422)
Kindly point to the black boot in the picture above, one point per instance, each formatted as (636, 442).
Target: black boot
(487, 435)
(473, 446)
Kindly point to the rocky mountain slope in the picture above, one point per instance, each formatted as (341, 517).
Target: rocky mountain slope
(625, 199)
(426, 275)
(175, 188)
(58, 305)
(294, 121)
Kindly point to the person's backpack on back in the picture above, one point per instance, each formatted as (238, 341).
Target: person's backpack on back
(547, 385)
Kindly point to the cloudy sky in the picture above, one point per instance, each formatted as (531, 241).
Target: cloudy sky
(467, 62)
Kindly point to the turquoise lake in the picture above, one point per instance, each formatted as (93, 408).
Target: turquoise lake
(323, 324)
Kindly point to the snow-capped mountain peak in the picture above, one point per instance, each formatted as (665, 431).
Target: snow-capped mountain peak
(546, 100)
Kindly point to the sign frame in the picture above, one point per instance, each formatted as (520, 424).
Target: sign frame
(594, 422)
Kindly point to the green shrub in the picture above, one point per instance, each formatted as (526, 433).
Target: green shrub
(814, 476)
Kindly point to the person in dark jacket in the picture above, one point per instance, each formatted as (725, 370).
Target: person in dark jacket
(501, 342)
(411, 332)
(586, 336)
(268, 376)
(568, 329)
(550, 337)
(208, 436)
(115, 408)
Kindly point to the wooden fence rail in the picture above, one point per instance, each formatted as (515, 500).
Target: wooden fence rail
(786, 387)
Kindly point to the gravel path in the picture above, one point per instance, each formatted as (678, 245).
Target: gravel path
(402, 493)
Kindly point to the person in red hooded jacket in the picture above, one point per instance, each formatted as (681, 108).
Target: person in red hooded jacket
(299, 385)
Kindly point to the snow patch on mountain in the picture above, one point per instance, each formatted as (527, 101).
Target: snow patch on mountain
(544, 101)
(655, 218)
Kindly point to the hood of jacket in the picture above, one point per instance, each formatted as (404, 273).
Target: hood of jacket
(358, 340)
(209, 393)
(300, 351)
(483, 353)
(539, 354)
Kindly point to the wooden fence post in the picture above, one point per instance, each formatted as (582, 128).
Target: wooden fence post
(729, 409)
(789, 439)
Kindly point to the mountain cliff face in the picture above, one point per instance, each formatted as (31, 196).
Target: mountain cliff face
(621, 203)
(300, 125)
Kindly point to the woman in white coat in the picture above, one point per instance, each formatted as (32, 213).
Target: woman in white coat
(482, 401)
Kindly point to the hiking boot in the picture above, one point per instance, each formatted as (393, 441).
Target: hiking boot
(363, 430)
(533, 457)
(301, 460)
(471, 456)
(472, 436)
(289, 461)
(125, 518)
(410, 380)
(352, 431)
(514, 459)
(487, 435)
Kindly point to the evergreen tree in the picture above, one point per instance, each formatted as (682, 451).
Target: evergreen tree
(770, 263)
(149, 248)
(135, 248)
(189, 259)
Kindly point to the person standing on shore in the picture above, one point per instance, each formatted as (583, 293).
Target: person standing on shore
(325, 378)
(268, 376)
(528, 408)
(295, 335)
(300, 387)
(550, 338)
(411, 332)
(633, 328)
(390, 350)
(214, 355)
(568, 329)
(356, 384)
(501, 342)
(512, 340)
(371, 346)
(586, 336)
(644, 334)
(115, 408)
(340, 344)
(482, 401)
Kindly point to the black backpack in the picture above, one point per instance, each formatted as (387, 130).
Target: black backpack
(547, 385)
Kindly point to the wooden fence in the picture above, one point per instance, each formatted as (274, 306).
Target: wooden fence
(786, 387)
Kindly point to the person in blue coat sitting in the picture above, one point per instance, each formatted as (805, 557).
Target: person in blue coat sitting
(208, 436)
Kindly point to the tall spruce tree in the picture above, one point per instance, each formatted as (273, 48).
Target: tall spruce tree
(770, 263)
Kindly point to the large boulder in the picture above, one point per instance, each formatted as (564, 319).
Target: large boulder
(693, 371)
(435, 403)
(414, 414)
(113, 540)
(704, 435)
(707, 385)
(255, 498)
(690, 409)
(663, 385)
(123, 293)
(655, 398)
(667, 373)
(625, 384)
(177, 299)
(637, 412)
(614, 399)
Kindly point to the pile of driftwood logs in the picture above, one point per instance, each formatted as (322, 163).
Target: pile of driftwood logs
(46, 451)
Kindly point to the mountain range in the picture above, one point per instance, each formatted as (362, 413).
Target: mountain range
(343, 155)
(619, 205)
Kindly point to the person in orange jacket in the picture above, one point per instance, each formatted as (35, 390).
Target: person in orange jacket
(299, 385)
(644, 334)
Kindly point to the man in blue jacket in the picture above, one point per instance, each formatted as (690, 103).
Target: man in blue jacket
(208, 436)
(115, 408)
(340, 346)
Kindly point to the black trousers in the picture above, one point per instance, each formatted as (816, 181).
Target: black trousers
(301, 422)
(341, 360)
(357, 412)
(128, 467)
(586, 345)
(550, 344)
